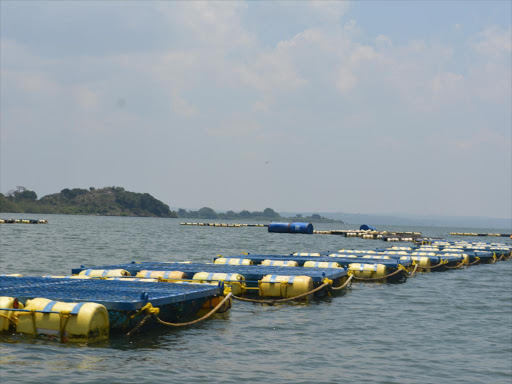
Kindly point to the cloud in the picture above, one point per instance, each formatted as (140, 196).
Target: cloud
(486, 137)
(346, 80)
(493, 41)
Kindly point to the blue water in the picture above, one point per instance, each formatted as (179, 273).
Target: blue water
(451, 327)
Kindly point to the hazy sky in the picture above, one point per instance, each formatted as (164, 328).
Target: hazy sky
(364, 107)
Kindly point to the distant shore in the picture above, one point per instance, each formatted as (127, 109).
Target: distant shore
(116, 201)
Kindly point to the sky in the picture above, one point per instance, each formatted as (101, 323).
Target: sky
(322, 106)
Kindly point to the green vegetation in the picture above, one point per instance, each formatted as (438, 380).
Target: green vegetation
(268, 214)
(109, 201)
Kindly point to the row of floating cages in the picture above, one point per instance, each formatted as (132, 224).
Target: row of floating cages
(85, 306)
(23, 221)
(481, 234)
(373, 234)
(230, 225)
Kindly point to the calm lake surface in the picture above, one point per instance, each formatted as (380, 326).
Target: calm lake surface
(450, 327)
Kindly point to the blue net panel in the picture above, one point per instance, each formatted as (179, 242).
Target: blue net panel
(113, 294)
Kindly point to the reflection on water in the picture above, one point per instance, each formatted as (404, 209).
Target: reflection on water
(454, 326)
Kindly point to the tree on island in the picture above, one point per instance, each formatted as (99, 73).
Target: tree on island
(20, 194)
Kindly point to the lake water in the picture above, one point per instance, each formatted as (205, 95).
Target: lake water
(451, 327)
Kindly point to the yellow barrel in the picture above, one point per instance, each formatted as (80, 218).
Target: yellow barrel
(343, 255)
(7, 318)
(368, 271)
(465, 256)
(162, 275)
(321, 264)
(424, 254)
(233, 261)
(279, 263)
(212, 302)
(11, 275)
(423, 262)
(104, 272)
(355, 251)
(314, 254)
(284, 286)
(234, 280)
(375, 257)
(76, 322)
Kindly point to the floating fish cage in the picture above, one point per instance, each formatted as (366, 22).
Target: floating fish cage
(374, 268)
(23, 221)
(83, 310)
(242, 279)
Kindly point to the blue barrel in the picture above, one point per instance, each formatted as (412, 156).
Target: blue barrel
(365, 227)
(291, 228)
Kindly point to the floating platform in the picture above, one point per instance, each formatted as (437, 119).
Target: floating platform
(318, 262)
(122, 299)
(391, 263)
(228, 225)
(23, 221)
(480, 234)
(241, 279)
(252, 274)
(372, 235)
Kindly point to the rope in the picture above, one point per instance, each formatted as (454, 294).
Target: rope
(414, 270)
(135, 329)
(8, 318)
(33, 315)
(378, 278)
(209, 314)
(62, 329)
(349, 280)
(282, 300)
(443, 262)
(461, 264)
(474, 262)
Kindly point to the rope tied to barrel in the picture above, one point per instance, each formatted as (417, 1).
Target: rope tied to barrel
(442, 262)
(477, 260)
(11, 319)
(154, 311)
(414, 270)
(276, 301)
(347, 282)
(62, 327)
(460, 265)
(399, 269)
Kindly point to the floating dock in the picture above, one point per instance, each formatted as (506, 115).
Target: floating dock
(252, 274)
(123, 300)
(228, 225)
(372, 235)
(356, 266)
(23, 221)
(481, 234)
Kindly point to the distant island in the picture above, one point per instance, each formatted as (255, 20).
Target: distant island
(108, 201)
(268, 214)
(116, 201)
